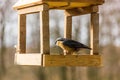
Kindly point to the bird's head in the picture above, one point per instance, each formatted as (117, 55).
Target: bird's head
(59, 40)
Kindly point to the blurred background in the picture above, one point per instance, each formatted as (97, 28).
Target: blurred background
(109, 44)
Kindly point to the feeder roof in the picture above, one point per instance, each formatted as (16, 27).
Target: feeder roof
(57, 4)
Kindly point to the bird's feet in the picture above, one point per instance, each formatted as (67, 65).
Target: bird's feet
(65, 52)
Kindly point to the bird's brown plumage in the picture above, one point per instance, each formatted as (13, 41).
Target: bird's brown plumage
(70, 46)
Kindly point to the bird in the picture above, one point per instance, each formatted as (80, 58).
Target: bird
(70, 46)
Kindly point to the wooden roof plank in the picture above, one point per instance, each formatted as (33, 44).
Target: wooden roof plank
(56, 3)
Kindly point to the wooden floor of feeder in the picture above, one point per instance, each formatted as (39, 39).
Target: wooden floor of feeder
(57, 4)
(57, 60)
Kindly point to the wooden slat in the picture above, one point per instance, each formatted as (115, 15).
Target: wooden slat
(28, 59)
(94, 33)
(44, 31)
(71, 60)
(32, 9)
(68, 27)
(21, 33)
(81, 11)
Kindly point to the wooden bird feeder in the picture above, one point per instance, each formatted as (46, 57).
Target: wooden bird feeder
(71, 8)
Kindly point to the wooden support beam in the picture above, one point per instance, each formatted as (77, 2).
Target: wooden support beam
(68, 27)
(28, 59)
(44, 31)
(57, 60)
(94, 33)
(33, 9)
(81, 11)
(71, 60)
(21, 47)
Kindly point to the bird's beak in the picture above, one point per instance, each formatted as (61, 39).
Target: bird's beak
(55, 42)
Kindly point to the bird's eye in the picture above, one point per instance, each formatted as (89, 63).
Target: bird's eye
(60, 40)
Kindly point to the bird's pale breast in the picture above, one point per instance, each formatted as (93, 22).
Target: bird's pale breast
(60, 44)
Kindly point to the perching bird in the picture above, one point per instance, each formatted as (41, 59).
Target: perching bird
(70, 46)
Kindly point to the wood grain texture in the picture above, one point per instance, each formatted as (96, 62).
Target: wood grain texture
(38, 59)
(57, 3)
(71, 60)
(21, 33)
(44, 32)
(81, 11)
(28, 59)
(94, 33)
(68, 27)
(33, 9)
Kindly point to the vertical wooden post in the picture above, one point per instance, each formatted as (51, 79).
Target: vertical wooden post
(44, 30)
(22, 33)
(94, 33)
(68, 27)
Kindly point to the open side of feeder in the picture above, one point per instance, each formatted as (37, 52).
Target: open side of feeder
(71, 8)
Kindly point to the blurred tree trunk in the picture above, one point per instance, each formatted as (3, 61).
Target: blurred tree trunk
(4, 15)
(34, 22)
(63, 73)
(2, 49)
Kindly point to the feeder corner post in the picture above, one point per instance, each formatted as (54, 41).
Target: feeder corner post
(21, 47)
(44, 30)
(94, 33)
(67, 25)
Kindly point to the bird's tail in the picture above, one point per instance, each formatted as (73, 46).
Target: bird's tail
(86, 47)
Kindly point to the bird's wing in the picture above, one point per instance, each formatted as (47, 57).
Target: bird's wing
(74, 44)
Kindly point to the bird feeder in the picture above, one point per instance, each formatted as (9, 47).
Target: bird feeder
(71, 8)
